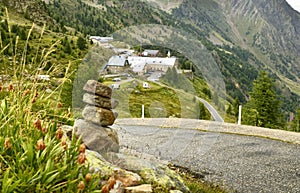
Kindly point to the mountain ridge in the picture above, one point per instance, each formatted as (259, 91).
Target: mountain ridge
(242, 36)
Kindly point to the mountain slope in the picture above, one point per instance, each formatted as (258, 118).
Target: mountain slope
(244, 37)
(268, 29)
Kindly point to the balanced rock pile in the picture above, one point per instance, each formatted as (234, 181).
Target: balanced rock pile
(97, 116)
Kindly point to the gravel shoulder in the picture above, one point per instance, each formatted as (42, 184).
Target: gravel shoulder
(241, 163)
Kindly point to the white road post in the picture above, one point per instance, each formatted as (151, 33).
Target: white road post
(240, 115)
(143, 111)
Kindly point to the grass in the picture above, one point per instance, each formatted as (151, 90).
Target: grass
(159, 101)
(35, 156)
(195, 182)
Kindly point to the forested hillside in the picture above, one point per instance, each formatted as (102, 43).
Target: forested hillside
(227, 29)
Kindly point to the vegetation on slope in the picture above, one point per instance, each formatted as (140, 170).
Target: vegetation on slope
(35, 154)
(239, 67)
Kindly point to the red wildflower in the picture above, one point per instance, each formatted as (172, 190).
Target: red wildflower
(40, 145)
(38, 124)
(81, 185)
(11, 87)
(81, 158)
(59, 133)
(82, 148)
(88, 177)
(7, 143)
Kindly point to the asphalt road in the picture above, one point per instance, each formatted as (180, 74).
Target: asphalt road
(240, 163)
(214, 113)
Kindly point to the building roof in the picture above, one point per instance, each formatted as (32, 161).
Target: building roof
(138, 66)
(152, 61)
(101, 39)
(117, 61)
(150, 52)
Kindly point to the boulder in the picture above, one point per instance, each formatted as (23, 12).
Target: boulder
(94, 87)
(96, 137)
(152, 172)
(127, 178)
(100, 116)
(97, 101)
(98, 164)
(118, 188)
(121, 179)
(145, 188)
(112, 134)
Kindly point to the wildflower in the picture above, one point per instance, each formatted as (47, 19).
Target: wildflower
(81, 158)
(59, 105)
(69, 114)
(44, 130)
(82, 148)
(88, 177)
(59, 133)
(26, 92)
(80, 185)
(35, 98)
(109, 185)
(38, 125)
(11, 87)
(7, 143)
(40, 145)
(64, 143)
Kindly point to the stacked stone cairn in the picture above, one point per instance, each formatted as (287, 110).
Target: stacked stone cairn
(97, 117)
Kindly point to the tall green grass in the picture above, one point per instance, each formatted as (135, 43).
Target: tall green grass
(34, 156)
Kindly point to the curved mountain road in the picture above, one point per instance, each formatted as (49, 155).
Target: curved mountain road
(241, 163)
(214, 113)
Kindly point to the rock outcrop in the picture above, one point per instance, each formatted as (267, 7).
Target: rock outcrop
(97, 116)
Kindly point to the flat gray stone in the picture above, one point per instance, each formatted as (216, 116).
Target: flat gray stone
(100, 101)
(94, 87)
(97, 101)
(99, 116)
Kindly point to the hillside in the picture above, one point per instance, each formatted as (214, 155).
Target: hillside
(269, 30)
(243, 37)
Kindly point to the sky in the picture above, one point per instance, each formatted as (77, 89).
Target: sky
(295, 4)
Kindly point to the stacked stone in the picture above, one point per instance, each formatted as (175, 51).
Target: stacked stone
(97, 116)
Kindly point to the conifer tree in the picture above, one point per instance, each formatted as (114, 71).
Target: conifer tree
(263, 108)
(296, 121)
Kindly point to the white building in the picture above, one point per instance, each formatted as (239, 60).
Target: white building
(144, 64)
(151, 53)
(117, 64)
(146, 85)
(102, 39)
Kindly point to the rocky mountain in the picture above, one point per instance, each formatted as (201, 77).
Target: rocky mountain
(268, 29)
(262, 34)
(243, 36)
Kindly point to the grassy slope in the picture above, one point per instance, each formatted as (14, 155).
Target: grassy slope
(159, 101)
